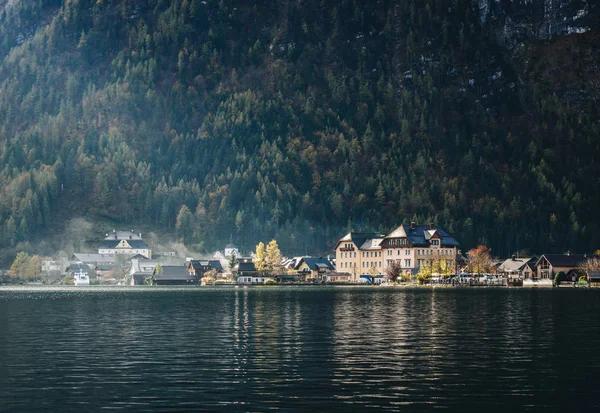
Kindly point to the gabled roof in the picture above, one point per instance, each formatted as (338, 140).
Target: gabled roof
(564, 260)
(215, 265)
(145, 266)
(358, 238)
(316, 263)
(199, 265)
(516, 264)
(136, 244)
(173, 272)
(291, 263)
(420, 234)
(397, 233)
(372, 244)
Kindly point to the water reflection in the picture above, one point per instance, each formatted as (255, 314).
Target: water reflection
(320, 349)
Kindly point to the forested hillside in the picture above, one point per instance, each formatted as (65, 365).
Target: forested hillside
(295, 119)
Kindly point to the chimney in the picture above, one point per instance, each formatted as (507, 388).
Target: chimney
(514, 257)
(412, 225)
(431, 225)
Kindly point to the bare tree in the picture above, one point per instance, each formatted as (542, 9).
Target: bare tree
(393, 272)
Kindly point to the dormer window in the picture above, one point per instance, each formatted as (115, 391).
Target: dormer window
(435, 242)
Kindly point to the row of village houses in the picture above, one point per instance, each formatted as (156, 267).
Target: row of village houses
(359, 257)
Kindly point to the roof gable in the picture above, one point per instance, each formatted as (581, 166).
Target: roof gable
(397, 233)
(316, 263)
(564, 260)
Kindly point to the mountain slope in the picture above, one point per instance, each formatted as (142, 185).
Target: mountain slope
(297, 120)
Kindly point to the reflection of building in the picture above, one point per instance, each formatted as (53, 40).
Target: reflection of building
(123, 242)
(409, 246)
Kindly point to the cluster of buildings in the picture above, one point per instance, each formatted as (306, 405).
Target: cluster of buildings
(543, 270)
(360, 257)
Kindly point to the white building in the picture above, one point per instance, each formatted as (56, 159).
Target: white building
(231, 249)
(124, 242)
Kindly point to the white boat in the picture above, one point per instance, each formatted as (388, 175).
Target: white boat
(81, 278)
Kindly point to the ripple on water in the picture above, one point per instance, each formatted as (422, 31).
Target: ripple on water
(320, 349)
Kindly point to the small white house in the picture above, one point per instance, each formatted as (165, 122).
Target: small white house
(231, 249)
(252, 279)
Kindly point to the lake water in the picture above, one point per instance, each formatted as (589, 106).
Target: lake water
(299, 349)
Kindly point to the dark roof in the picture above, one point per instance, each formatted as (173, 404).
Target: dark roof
(594, 275)
(174, 272)
(246, 266)
(418, 236)
(316, 263)
(215, 265)
(564, 260)
(199, 265)
(359, 238)
(78, 267)
(136, 244)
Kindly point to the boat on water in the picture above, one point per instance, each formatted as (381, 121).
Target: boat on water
(81, 274)
(82, 279)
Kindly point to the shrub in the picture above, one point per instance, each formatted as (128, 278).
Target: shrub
(270, 281)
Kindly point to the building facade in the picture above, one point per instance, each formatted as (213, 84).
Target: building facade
(409, 246)
(124, 242)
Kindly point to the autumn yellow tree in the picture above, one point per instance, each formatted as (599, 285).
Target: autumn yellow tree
(480, 260)
(260, 257)
(424, 274)
(20, 265)
(273, 257)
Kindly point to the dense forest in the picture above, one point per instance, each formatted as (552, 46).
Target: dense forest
(296, 120)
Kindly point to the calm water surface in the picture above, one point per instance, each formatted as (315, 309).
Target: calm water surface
(299, 349)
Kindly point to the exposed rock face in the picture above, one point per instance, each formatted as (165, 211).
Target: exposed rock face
(515, 21)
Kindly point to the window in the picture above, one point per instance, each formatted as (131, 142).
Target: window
(407, 263)
(435, 242)
(407, 252)
(419, 263)
(355, 255)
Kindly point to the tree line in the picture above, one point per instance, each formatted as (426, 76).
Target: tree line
(296, 120)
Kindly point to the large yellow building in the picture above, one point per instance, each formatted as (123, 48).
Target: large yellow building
(365, 253)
